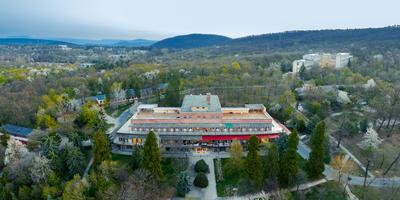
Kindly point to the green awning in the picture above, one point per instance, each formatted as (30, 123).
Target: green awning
(228, 125)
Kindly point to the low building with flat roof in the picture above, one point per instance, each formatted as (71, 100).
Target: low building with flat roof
(17, 132)
(200, 125)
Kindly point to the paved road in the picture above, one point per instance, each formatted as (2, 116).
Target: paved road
(331, 173)
(120, 120)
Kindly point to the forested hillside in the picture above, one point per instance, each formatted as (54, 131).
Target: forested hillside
(321, 39)
(191, 41)
(27, 41)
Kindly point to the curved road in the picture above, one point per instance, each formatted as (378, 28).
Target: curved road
(330, 173)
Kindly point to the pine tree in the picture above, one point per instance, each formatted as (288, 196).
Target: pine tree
(253, 164)
(74, 189)
(182, 184)
(289, 164)
(101, 148)
(301, 125)
(271, 163)
(137, 157)
(312, 123)
(315, 164)
(151, 155)
(282, 143)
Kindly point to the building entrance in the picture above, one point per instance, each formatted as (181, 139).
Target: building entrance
(201, 150)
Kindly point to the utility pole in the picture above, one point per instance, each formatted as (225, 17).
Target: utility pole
(366, 173)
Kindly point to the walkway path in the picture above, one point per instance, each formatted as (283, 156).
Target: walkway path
(352, 156)
(88, 167)
(210, 192)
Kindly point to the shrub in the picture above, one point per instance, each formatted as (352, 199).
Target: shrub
(201, 166)
(201, 180)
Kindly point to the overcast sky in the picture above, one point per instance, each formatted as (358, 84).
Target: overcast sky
(157, 19)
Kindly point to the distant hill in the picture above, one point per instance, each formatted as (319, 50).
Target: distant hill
(30, 41)
(109, 42)
(74, 42)
(191, 41)
(135, 43)
(329, 39)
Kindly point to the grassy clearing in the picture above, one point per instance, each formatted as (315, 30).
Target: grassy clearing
(224, 187)
(328, 191)
(371, 193)
(386, 153)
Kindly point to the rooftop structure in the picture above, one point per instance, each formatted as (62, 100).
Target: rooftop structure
(199, 124)
(201, 103)
(17, 132)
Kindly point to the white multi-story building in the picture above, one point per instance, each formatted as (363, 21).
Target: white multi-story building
(312, 59)
(297, 64)
(343, 59)
(323, 60)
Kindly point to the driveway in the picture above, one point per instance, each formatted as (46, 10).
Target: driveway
(120, 120)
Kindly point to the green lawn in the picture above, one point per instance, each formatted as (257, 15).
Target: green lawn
(383, 157)
(122, 159)
(371, 193)
(331, 190)
(224, 187)
(228, 183)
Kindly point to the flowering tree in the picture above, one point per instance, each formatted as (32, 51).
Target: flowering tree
(371, 140)
(15, 151)
(40, 169)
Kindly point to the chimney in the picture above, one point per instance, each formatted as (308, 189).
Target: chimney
(209, 98)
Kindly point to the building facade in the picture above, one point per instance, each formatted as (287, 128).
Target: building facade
(328, 60)
(343, 59)
(200, 125)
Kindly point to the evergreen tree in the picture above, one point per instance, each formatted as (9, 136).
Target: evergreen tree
(364, 125)
(253, 164)
(315, 164)
(151, 155)
(271, 163)
(74, 189)
(200, 180)
(312, 123)
(137, 157)
(289, 164)
(282, 143)
(301, 126)
(182, 184)
(327, 152)
(74, 160)
(101, 148)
